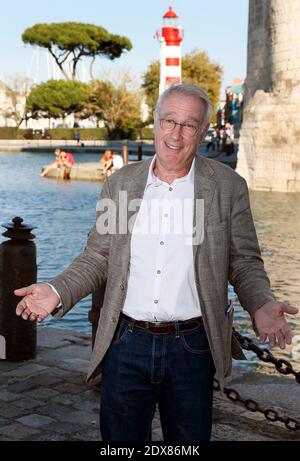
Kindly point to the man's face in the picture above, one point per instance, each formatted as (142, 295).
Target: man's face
(175, 150)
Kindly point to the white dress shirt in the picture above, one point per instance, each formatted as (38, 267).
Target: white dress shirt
(117, 162)
(161, 282)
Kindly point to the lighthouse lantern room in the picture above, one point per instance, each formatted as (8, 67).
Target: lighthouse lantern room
(170, 38)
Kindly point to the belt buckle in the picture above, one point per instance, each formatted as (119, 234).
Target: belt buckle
(155, 324)
(166, 326)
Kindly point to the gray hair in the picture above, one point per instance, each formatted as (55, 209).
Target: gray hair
(188, 90)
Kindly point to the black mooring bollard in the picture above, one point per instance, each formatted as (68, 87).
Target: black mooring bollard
(140, 152)
(17, 269)
(125, 153)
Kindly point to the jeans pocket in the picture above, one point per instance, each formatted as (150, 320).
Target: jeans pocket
(195, 341)
(121, 331)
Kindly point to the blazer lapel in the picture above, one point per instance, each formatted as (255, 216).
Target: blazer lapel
(204, 189)
(204, 184)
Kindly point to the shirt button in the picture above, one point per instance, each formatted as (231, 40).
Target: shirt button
(166, 215)
(156, 301)
(122, 286)
(158, 272)
(114, 320)
(170, 189)
(162, 243)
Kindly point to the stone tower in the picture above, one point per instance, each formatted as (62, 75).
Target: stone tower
(269, 151)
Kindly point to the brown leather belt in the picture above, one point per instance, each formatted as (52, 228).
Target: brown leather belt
(164, 328)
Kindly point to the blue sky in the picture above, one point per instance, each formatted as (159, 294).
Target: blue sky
(215, 26)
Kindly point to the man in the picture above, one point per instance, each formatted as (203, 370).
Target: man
(165, 325)
(228, 139)
(212, 139)
(77, 136)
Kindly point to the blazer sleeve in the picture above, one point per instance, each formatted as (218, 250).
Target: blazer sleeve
(246, 268)
(88, 271)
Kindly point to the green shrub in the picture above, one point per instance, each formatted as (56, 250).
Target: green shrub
(147, 133)
(86, 134)
(7, 132)
(68, 134)
(132, 134)
(89, 134)
(16, 133)
(120, 133)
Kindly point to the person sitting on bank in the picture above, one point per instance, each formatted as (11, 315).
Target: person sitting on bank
(67, 161)
(53, 165)
(106, 163)
(63, 159)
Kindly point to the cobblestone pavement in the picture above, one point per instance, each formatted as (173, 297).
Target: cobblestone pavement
(47, 399)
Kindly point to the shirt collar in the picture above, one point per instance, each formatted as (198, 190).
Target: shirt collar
(154, 180)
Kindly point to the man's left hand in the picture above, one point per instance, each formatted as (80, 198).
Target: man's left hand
(271, 323)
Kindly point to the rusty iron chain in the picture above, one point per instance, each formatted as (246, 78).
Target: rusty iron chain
(251, 405)
(282, 366)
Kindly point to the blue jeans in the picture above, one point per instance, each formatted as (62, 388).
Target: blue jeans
(142, 369)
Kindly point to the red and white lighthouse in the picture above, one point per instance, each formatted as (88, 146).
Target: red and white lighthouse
(170, 38)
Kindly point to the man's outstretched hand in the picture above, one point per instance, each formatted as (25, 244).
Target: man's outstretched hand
(38, 302)
(271, 323)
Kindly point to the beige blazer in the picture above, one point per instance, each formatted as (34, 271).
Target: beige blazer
(229, 253)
